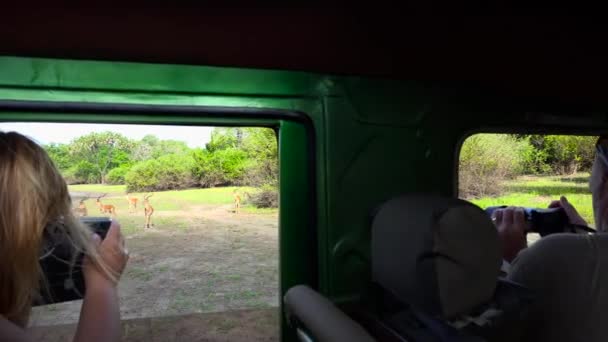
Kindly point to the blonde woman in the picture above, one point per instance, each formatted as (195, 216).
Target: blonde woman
(32, 195)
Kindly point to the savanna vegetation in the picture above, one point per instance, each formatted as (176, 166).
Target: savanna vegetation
(489, 161)
(199, 260)
(232, 157)
(527, 170)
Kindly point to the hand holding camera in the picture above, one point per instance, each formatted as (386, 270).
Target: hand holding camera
(113, 252)
(560, 217)
(69, 281)
(573, 216)
(514, 223)
(511, 226)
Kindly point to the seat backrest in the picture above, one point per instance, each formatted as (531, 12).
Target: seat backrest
(440, 255)
(436, 263)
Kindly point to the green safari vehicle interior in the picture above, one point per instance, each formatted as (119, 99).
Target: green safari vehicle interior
(369, 109)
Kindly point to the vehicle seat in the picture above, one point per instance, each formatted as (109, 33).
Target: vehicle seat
(435, 265)
(440, 255)
(437, 260)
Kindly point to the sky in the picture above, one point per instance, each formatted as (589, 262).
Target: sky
(45, 133)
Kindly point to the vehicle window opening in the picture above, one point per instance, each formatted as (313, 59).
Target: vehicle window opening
(528, 171)
(199, 210)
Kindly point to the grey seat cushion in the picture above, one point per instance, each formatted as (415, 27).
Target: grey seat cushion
(441, 255)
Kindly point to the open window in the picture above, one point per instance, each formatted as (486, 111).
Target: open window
(527, 171)
(207, 263)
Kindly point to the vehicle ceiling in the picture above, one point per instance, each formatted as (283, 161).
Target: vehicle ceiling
(554, 58)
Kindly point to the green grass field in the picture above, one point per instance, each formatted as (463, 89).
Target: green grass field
(532, 191)
(172, 200)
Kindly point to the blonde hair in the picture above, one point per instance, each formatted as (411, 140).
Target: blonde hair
(32, 194)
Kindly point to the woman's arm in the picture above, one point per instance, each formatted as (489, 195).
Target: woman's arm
(100, 314)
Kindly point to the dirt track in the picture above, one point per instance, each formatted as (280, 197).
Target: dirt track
(239, 325)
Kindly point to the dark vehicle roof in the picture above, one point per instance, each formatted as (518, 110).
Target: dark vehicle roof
(551, 57)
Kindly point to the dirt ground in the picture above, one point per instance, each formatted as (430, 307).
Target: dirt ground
(238, 325)
(205, 265)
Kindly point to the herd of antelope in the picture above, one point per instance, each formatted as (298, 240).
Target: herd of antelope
(81, 209)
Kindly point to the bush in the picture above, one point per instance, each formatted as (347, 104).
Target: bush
(221, 167)
(261, 172)
(569, 154)
(265, 197)
(81, 173)
(558, 154)
(535, 162)
(70, 176)
(486, 160)
(168, 172)
(117, 175)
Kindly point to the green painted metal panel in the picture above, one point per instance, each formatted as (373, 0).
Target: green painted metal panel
(157, 78)
(297, 238)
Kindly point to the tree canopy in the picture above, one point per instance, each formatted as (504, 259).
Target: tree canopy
(233, 156)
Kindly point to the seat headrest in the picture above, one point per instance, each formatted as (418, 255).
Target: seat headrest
(441, 255)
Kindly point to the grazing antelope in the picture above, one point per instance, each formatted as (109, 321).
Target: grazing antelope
(148, 211)
(81, 210)
(132, 203)
(237, 202)
(105, 208)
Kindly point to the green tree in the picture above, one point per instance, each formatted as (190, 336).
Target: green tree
(142, 150)
(81, 172)
(150, 147)
(60, 154)
(560, 154)
(569, 154)
(260, 144)
(170, 147)
(225, 137)
(238, 156)
(104, 151)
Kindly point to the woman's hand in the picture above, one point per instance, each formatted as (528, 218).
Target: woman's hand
(100, 313)
(573, 215)
(511, 225)
(113, 254)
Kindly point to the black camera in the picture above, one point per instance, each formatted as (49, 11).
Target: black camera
(547, 221)
(61, 263)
